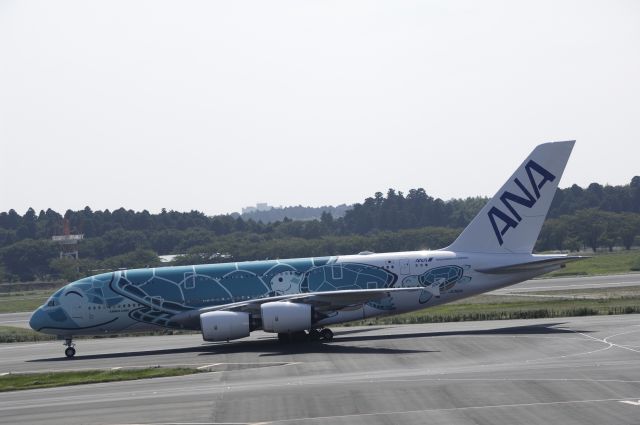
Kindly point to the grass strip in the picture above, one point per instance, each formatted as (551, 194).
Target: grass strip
(19, 381)
(601, 263)
(15, 304)
(9, 334)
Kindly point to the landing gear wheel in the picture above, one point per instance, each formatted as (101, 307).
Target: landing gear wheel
(326, 334)
(314, 335)
(69, 351)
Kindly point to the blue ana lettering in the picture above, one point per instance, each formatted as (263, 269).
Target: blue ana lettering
(526, 199)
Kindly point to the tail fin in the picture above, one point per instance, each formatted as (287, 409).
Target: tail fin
(511, 221)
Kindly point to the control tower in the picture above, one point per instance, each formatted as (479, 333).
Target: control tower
(68, 243)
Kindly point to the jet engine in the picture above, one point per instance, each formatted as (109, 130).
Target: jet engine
(285, 317)
(224, 325)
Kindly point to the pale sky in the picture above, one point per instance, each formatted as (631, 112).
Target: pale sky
(216, 105)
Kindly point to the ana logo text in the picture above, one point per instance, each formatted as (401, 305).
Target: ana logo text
(528, 200)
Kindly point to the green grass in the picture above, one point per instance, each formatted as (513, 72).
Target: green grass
(10, 334)
(14, 382)
(14, 302)
(602, 263)
(635, 265)
(13, 334)
(8, 305)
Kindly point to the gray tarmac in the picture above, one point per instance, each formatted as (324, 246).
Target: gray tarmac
(583, 370)
(18, 320)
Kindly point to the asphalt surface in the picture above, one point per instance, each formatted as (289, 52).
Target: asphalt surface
(559, 371)
(563, 371)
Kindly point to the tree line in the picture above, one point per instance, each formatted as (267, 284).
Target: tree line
(295, 213)
(593, 217)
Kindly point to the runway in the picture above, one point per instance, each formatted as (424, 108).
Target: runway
(572, 283)
(562, 371)
(18, 320)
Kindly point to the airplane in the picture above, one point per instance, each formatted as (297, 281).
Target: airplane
(298, 298)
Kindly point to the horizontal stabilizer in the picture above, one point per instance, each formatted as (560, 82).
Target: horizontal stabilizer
(532, 265)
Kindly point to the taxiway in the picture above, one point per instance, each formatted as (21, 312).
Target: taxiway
(582, 370)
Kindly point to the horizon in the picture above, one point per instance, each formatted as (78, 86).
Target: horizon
(288, 206)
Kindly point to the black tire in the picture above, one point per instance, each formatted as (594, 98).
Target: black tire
(70, 352)
(326, 334)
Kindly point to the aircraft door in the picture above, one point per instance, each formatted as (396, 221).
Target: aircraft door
(405, 266)
(74, 304)
(77, 311)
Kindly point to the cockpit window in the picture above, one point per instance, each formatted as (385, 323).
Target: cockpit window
(52, 303)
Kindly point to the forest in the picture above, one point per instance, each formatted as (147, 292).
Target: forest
(596, 217)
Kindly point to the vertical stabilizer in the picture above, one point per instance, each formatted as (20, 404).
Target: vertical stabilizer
(511, 221)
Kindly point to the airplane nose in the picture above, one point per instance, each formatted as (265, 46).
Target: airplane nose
(37, 320)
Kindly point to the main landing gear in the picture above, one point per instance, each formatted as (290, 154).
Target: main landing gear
(69, 351)
(324, 334)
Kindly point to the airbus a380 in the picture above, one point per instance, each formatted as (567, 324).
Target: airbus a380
(299, 297)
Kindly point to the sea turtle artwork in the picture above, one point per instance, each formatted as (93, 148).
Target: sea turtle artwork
(162, 293)
(436, 281)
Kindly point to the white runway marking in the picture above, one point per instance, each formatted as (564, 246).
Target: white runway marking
(202, 423)
(449, 409)
(207, 366)
(611, 344)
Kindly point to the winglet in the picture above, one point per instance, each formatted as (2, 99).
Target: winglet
(512, 219)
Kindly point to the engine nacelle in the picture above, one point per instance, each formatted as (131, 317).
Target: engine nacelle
(224, 325)
(284, 317)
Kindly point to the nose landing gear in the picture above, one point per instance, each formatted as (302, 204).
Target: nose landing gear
(69, 351)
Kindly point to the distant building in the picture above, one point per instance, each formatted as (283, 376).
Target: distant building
(260, 206)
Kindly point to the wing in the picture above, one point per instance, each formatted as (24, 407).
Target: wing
(321, 301)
